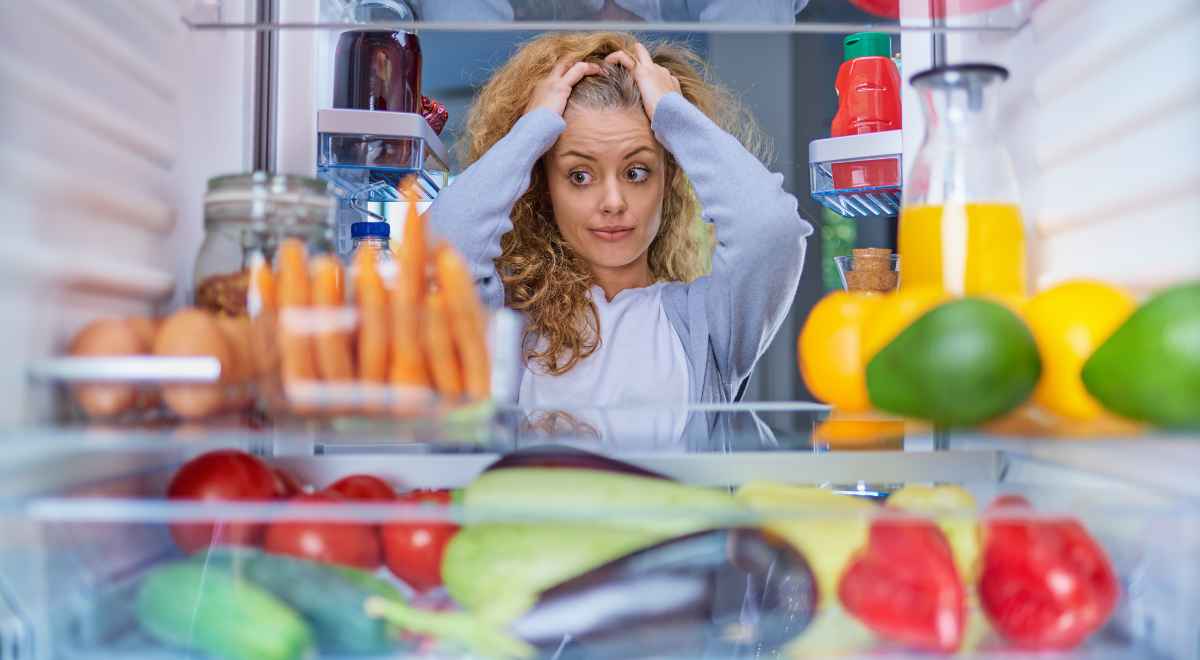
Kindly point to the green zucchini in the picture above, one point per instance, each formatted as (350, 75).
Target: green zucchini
(202, 608)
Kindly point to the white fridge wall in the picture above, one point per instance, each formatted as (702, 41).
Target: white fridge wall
(1100, 115)
(304, 85)
(113, 116)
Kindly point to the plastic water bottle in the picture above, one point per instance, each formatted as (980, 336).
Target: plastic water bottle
(375, 235)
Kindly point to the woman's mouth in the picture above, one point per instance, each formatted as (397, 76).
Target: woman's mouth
(612, 233)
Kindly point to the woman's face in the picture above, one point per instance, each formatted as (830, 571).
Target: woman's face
(607, 177)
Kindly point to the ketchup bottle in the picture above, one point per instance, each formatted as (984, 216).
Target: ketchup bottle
(868, 86)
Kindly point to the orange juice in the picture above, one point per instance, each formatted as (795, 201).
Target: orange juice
(963, 249)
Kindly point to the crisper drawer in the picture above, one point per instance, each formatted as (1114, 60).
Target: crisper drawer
(786, 553)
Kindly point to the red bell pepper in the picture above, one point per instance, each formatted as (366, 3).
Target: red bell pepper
(1045, 583)
(904, 586)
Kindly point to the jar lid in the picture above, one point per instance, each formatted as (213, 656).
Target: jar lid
(866, 44)
(370, 230)
(960, 75)
(264, 194)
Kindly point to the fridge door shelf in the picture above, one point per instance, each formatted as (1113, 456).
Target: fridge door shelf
(858, 175)
(367, 154)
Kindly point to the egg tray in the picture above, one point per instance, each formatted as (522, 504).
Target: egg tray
(374, 412)
(141, 379)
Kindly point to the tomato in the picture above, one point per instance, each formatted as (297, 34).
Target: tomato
(1046, 583)
(346, 543)
(413, 550)
(224, 475)
(362, 487)
(905, 587)
(286, 483)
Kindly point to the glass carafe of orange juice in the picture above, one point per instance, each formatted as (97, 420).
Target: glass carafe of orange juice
(960, 225)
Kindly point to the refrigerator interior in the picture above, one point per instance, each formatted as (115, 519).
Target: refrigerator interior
(117, 112)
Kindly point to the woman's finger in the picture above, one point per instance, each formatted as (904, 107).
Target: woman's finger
(643, 55)
(560, 67)
(579, 70)
(621, 58)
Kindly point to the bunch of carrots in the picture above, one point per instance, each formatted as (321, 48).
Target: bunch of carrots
(420, 326)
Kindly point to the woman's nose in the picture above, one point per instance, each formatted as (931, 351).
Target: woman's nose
(614, 201)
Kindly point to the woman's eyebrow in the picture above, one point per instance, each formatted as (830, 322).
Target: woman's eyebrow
(637, 150)
(577, 154)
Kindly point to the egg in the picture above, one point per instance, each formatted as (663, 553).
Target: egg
(192, 332)
(238, 337)
(106, 337)
(147, 329)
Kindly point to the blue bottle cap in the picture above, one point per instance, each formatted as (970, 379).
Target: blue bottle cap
(370, 229)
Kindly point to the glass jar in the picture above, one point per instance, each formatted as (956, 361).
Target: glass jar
(377, 70)
(246, 216)
(960, 223)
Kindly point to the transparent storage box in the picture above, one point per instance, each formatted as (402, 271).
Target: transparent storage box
(316, 364)
(143, 392)
(743, 550)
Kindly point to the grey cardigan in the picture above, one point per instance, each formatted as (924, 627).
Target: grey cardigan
(726, 319)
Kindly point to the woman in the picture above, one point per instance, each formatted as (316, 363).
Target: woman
(577, 209)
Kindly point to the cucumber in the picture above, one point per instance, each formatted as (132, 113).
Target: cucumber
(202, 608)
(331, 597)
(330, 600)
(369, 583)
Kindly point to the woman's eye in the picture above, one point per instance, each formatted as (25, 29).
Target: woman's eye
(637, 174)
(580, 178)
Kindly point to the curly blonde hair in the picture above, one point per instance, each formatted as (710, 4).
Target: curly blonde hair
(543, 277)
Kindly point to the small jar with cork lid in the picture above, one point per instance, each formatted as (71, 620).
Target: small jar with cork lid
(869, 270)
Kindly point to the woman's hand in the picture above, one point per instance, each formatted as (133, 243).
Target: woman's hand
(554, 90)
(653, 81)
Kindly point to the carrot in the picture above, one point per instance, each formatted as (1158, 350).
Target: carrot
(413, 258)
(408, 358)
(261, 296)
(443, 359)
(467, 323)
(408, 295)
(298, 362)
(334, 361)
(261, 303)
(373, 331)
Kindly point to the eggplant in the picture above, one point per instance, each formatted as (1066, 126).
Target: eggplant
(565, 456)
(718, 593)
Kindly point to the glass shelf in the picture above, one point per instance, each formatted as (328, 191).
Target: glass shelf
(797, 16)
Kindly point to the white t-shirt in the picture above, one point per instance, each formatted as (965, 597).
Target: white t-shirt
(638, 374)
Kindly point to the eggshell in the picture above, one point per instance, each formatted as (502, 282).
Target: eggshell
(148, 396)
(106, 337)
(238, 337)
(192, 332)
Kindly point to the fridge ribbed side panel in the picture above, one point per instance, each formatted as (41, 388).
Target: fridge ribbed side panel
(1101, 116)
(1118, 143)
(113, 116)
